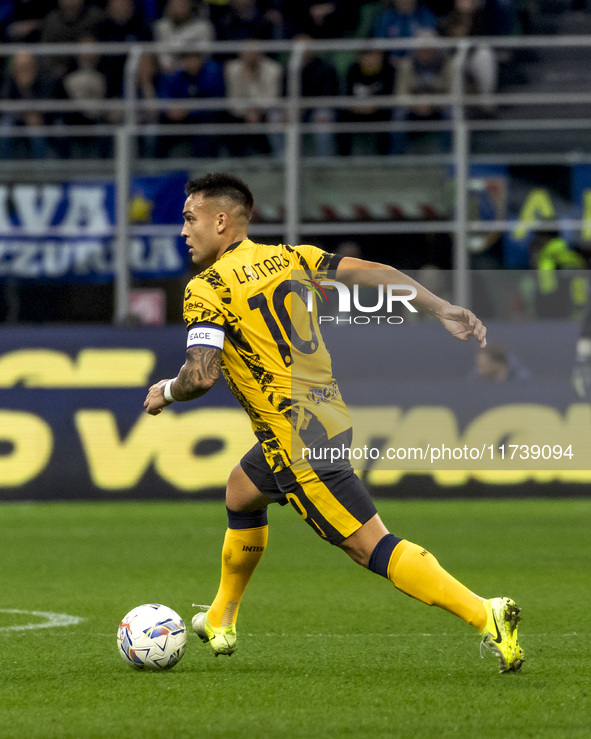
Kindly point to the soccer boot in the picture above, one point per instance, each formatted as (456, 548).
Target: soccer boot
(222, 639)
(500, 633)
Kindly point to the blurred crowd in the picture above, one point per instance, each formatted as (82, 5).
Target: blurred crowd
(186, 72)
(242, 79)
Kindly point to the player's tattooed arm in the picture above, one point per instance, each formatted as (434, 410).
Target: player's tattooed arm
(198, 374)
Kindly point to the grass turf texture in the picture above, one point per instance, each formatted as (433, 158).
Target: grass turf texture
(325, 648)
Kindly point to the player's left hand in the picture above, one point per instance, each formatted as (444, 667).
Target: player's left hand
(155, 401)
(462, 323)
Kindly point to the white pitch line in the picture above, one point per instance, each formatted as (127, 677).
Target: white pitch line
(53, 620)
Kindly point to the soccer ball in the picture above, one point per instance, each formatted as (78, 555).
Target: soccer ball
(152, 637)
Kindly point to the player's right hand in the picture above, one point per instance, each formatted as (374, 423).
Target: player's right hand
(155, 400)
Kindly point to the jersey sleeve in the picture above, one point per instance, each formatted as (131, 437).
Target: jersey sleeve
(317, 261)
(203, 315)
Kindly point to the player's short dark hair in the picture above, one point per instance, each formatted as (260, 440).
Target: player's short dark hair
(496, 352)
(220, 184)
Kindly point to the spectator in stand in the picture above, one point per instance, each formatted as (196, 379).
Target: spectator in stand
(468, 19)
(325, 20)
(439, 7)
(500, 17)
(465, 19)
(150, 86)
(5, 18)
(403, 19)
(248, 78)
(70, 22)
(332, 19)
(371, 75)
(243, 20)
(427, 70)
(199, 78)
(24, 20)
(180, 25)
(122, 23)
(89, 86)
(495, 364)
(150, 10)
(24, 82)
(319, 79)
(560, 288)
(369, 13)
(275, 14)
(214, 9)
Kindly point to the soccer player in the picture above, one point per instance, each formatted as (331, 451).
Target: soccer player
(581, 375)
(241, 317)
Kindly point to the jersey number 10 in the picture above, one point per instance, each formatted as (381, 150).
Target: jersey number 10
(289, 336)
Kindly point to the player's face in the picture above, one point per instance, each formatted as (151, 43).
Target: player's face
(201, 229)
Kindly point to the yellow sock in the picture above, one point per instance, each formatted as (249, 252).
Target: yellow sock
(416, 572)
(241, 553)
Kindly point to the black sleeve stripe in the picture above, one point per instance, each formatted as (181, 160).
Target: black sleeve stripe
(334, 262)
(206, 324)
(303, 262)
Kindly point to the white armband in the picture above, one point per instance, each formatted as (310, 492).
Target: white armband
(166, 391)
(206, 336)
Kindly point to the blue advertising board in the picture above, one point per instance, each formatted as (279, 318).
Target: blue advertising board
(66, 231)
(72, 423)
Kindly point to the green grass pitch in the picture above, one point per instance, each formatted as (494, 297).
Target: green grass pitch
(326, 649)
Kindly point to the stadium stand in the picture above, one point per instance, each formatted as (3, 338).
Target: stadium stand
(90, 87)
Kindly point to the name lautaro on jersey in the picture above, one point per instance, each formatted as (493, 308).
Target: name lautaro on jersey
(254, 272)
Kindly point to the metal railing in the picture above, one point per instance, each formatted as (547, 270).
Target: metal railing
(130, 108)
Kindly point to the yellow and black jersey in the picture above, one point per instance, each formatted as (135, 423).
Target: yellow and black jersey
(254, 303)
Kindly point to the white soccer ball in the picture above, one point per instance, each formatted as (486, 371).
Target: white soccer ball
(152, 637)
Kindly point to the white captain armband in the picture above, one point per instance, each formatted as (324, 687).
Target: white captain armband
(206, 336)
